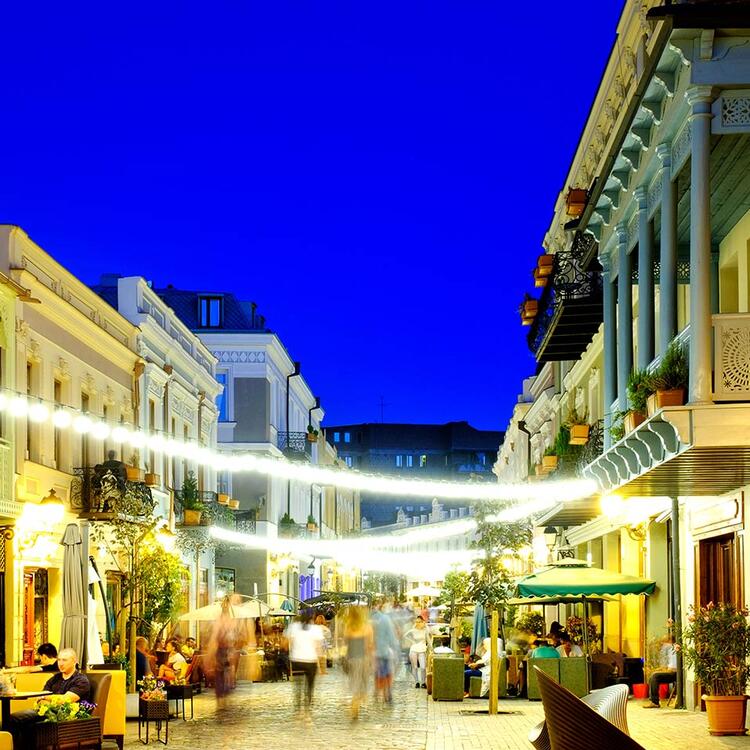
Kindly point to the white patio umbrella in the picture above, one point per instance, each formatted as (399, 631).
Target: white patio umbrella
(74, 598)
(244, 611)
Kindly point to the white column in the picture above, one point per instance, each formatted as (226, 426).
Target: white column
(610, 346)
(624, 316)
(645, 281)
(668, 250)
(700, 98)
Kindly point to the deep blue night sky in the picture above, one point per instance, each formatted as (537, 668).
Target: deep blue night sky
(377, 178)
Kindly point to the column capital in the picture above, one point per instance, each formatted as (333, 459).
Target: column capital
(606, 263)
(641, 195)
(664, 152)
(621, 230)
(699, 97)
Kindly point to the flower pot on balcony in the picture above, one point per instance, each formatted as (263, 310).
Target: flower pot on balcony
(529, 310)
(549, 463)
(540, 279)
(152, 480)
(73, 733)
(312, 526)
(191, 517)
(575, 202)
(539, 470)
(726, 714)
(632, 419)
(312, 437)
(544, 264)
(579, 434)
(223, 499)
(234, 504)
(134, 474)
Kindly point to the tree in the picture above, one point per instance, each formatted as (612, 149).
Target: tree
(456, 595)
(379, 584)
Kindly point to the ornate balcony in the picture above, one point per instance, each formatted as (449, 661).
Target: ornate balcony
(103, 493)
(215, 514)
(294, 445)
(570, 308)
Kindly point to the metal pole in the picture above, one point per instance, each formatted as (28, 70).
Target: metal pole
(677, 597)
(494, 676)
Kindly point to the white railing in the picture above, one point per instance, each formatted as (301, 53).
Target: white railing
(732, 357)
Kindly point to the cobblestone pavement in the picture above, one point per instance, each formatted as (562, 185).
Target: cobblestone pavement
(261, 715)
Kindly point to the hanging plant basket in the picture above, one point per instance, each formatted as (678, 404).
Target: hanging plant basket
(579, 434)
(67, 733)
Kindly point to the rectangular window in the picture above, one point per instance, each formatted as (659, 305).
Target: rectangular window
(348, 460)
(84, 436)
(210, 312)
(347, 437)
(410, 461)
(336, 437)
(221, 399)
(399, 461)
(203, 587)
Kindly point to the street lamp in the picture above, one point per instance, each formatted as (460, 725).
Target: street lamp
(550, 537)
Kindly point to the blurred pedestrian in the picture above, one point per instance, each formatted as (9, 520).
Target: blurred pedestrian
(305, 649)
(320, 621)
(387, 652)
(218, 659)
(416, 639)
(359, 652)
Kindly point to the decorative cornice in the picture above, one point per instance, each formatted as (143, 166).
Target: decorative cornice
(255, 356)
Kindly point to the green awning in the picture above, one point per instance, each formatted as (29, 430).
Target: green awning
(576, 578)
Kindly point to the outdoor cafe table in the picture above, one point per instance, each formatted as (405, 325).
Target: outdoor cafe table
(6, 698)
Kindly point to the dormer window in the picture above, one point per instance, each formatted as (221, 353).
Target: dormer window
(211, 310)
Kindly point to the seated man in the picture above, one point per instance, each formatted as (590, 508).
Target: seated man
(471, 669)
(68, 682)
(188, 648)
(542, 650)
(47, 654)
(666, 673)
(567, 647)
(142, 656)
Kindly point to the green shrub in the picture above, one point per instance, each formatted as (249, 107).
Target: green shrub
(531, 622)
(673, 370)
(640, 387)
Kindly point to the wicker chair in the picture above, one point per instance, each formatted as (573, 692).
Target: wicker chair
(572, 723)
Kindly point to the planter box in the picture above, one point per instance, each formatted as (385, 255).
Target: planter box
(191, 518)
(726, 714)
(153, 710)
(632, 420)
(660, 399)
(540, 279)
(575, 202)
(529, 311)
(152, 480)
(539, 470)
(312, 526)
(134, 474)
(549, 463)
(223, 499)
(579, 434)
(312, 438)
(544, 264)
(76, 733)
(234, 504)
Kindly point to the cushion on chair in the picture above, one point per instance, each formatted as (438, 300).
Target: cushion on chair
(569, 720)
(6, 741)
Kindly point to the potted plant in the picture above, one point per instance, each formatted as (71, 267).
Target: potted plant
(639, 389)
(549, 460)
(152, 701)
(528, 309)
(312, 524)
(223, 498)
(152, 480)
(192, 507)
(617, 429)
(65, 723)
(531, 622)
(578, 428)
(233, 504)
(670, 380)
(575, 202)
(716, 645)
(286, 525)
(312, 434)
(133, 469)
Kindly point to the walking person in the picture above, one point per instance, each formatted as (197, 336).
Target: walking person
(416, 638)
(219, 653)
(387, 651)
(305, 650)
(359, 651)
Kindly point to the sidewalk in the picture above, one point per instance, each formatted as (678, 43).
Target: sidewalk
(261, 715)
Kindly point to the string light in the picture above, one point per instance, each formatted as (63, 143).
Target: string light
(548, 493)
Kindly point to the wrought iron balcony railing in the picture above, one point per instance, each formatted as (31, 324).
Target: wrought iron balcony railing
(570, 309)
(294, 445)
(104, 491)
(213, 513)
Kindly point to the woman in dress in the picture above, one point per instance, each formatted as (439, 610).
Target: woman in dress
(359, 655)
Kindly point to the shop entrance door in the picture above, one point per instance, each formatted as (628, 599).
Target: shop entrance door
(720, 570)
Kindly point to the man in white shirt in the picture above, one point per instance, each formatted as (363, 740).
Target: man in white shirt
(305, 650)
(567, 648)
(666, 674)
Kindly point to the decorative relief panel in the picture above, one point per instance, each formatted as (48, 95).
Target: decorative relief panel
(251, 357)
(654, 195)
(731, 114)
(732, 358)
(681, 149)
